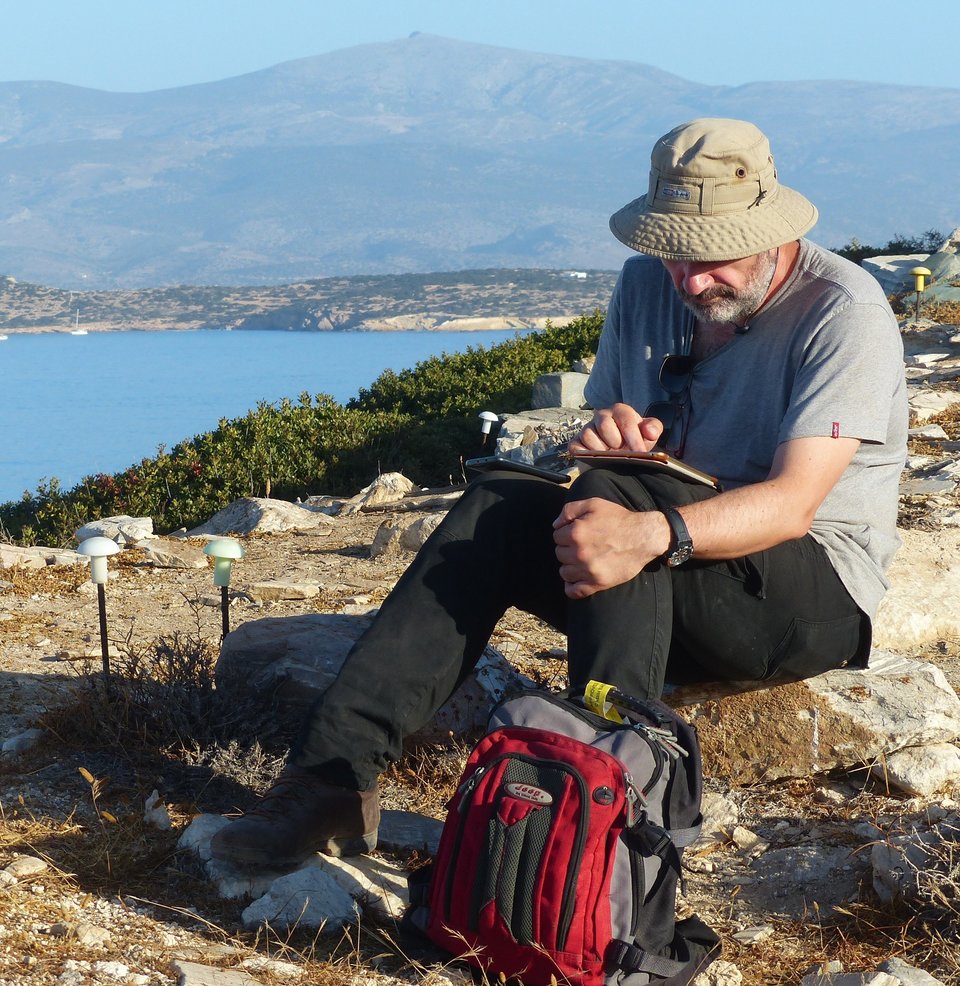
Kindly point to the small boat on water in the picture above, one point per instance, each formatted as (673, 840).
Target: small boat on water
(3, 338)
(76, 330)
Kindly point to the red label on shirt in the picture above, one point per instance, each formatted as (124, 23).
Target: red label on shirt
(835, 430)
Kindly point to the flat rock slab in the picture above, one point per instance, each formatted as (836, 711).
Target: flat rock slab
(13, 556)
(844, 718)
(171, 553)
(276, 590)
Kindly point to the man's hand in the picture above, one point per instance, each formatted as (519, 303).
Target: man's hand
(600, 544)
(618, 427)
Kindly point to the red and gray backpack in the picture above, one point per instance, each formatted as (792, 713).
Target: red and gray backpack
(561, 851)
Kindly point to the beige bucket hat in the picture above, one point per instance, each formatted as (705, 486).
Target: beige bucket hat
(713, 195)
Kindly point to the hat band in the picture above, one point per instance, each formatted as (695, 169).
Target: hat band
(670, 192)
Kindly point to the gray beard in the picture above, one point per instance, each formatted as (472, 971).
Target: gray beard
(724, 304)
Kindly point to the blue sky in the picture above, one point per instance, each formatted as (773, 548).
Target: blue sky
(139, 45)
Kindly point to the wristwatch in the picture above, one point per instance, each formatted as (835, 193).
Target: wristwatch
(681, 544)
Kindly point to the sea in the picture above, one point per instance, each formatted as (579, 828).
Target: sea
(76, 405)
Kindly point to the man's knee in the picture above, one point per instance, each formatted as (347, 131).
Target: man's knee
(500, 500)
(611, 484)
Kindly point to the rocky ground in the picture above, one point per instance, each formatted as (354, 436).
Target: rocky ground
(93, 892)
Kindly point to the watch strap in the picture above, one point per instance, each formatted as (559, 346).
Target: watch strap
(681, 544)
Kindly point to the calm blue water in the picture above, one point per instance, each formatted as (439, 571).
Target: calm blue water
(72, 406)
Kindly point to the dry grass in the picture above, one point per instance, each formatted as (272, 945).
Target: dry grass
(52, 580)
(949, 420)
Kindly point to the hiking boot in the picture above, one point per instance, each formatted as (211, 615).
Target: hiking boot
(300, 815)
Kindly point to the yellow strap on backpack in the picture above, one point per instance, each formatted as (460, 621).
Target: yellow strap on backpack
(596, 700)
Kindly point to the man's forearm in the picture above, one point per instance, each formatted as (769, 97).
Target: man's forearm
(781, 508)
(745, 520)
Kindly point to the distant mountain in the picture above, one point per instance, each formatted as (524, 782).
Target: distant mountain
(419, 155)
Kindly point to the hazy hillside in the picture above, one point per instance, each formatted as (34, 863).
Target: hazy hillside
(458, 300)
(416, 155)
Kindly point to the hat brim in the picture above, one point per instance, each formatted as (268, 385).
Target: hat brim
(784, 216)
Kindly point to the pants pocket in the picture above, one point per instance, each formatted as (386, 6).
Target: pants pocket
(748, 570)
(809, 648)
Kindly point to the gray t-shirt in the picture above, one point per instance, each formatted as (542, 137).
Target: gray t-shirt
(823, 358)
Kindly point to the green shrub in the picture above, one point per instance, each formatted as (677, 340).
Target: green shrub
(421, 421)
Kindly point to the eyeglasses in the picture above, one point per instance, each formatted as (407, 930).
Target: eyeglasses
(675, 374)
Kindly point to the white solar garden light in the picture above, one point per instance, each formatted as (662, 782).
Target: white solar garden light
(224, 552)
(98, 549)
(487, 419)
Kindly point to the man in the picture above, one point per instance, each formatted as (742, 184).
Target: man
(747, 351)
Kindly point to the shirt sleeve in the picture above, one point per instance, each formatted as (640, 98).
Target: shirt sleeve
(850, 370)
(603, 389)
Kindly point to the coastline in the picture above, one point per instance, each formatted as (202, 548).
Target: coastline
(457, 301)
(396, 323)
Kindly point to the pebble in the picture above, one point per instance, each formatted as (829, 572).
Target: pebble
(25, 866)
(749, 842)
(719, 973)
(751, 936)
(274, 967)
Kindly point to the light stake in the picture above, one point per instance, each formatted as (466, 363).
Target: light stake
(98, 549)
(919, 276)
(487, 419)
(223, 551)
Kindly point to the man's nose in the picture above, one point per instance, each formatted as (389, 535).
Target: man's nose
(694, 282)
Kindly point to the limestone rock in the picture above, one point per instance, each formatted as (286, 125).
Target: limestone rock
(14, 556)
(559, 390)
(263, 515)
(387, 540)
(155, 812)
(24, 867)
(276, 589)
(923, 602)
(308, 897)
(839, 719)
(21, 742)
(908, 975)
(850, 979)
(323, 892)
(408, 831)
(394, 536)
(122, 529)
(921, 770)
(297, 657)
(197, 835)
(171, 553)
(537, 432)
(413, 536)
(720, 817)
(797, 875)
(926, 403)
(195, 974)
(390, 487)
(913, 858)
(719, 973)
(378, 886)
